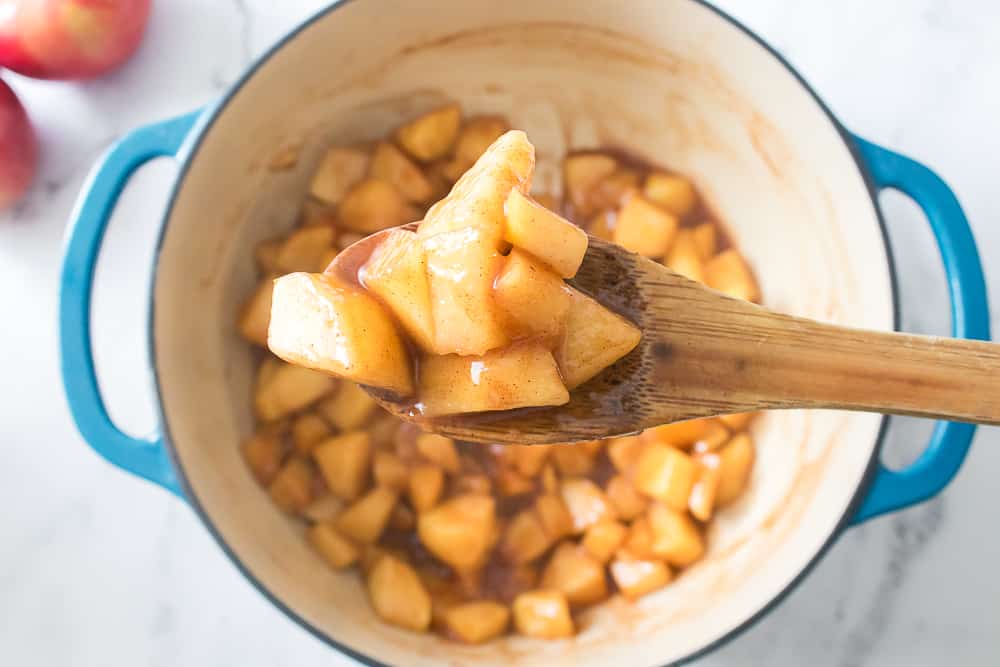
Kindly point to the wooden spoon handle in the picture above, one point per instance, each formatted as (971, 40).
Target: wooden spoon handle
(778, 361)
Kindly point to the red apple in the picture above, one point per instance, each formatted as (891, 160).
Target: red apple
(18, 148)
(69, 39)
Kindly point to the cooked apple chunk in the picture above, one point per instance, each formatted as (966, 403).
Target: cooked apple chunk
(461, 266)
(373, 205)
(594, 339)
(576, 574)
(396, 273)
(477, 622)
(532, 299)
(390, 165)
(518, 376)
(460, 531)
(256, 313)
(283, 389)
(322, 323)
(728, 272)
(534, 228)
(477, 199)
(432, 135)
(645, 228)
(398, 595)
(543, 614)
(337, 173)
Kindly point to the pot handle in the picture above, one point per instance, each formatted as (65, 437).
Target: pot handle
(894, 489)
(146, 457)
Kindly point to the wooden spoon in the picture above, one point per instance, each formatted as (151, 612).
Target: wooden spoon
(703, 353)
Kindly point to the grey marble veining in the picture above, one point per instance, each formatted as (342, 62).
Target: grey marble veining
(97, 568)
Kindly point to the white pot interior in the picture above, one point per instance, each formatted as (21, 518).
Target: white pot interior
(670, 81)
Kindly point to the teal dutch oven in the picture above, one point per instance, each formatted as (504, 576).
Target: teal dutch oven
(677, 82)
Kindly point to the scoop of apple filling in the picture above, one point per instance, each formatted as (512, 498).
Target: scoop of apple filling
(470, 312)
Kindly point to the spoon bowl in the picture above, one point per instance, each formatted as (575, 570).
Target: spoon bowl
(703, 354)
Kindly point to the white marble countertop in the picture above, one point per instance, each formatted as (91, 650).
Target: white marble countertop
(98, 568)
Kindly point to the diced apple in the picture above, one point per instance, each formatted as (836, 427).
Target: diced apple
(291, 488)
(308, 430)
(576, 574)
(335, 549)
(322, 323)
(543, 614)
(683, 257)
(594, 339)
(518, 376)
(705, 240)
(287, 389)
(533, 300)
(639, 543)
(645, 228)
(665, 473)
(390, 165)
(398, 595)
(581, 174)
(256, 313)
(535, 229)
(440, 450)
(554, 515)
(675, 536)
(476, 137)
(613, 190)
(324, 508)
(735, 463)
(264, 452)
(670, 192)
(603, 225)
(477, 199)
(677, 434)
(528, 459)
(525, 538)
(636, 577)
(431, 135)
(364, 520)
(729, 273)
(461, 267)
(625, 498)
(714, 437)
(344, 460)
(425, 486)
(603, 539)
(396, 273)
(477, 622)
(349, 407)
(586, 503)
(701, 502)
(460, 531)
(389, 470)
(572, 460)
(624, 453)
(373, 205)
(305, 249)
(340, 169)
